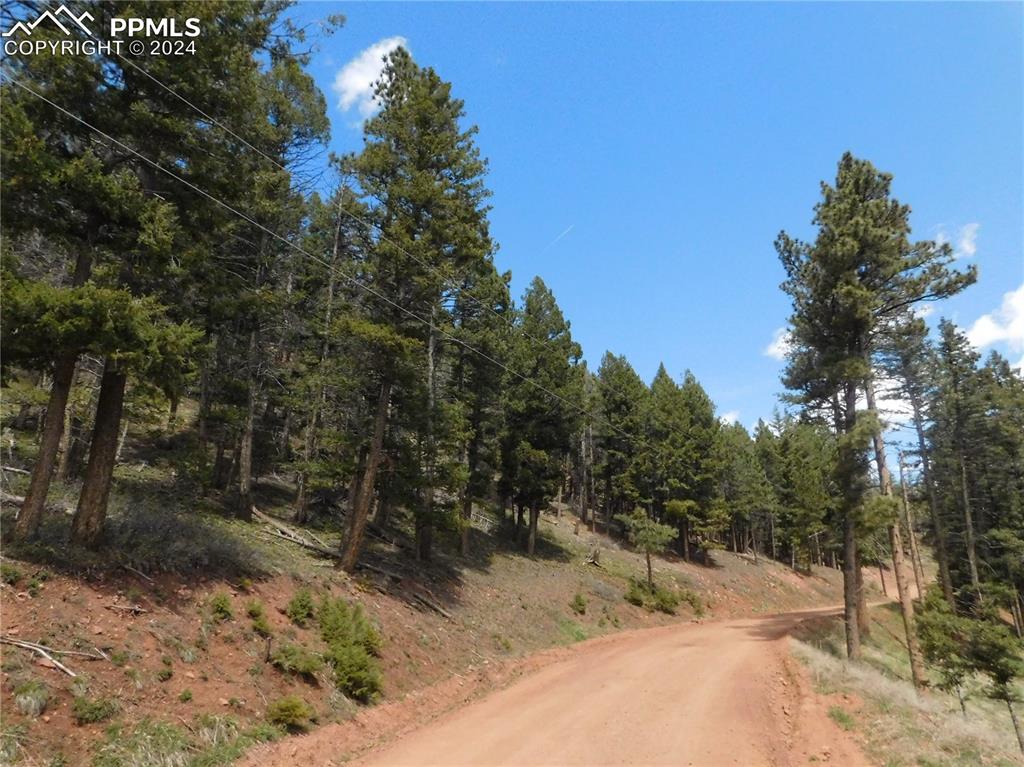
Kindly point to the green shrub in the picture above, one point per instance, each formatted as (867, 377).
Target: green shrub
(31, 698)
(10, 574)
(186, 696)
(260, 624)
(345, 623)
(291, 713)
(693, 600)
(572, 630)
(356, 672)
(220, 607)
(165, 673)
(295, 659)
(86, 711)
(636, 593)
(660, 599)
(300, 609)
(665, 600)
(352, 642)
(579, 604)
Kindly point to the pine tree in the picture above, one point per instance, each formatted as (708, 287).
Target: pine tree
(540, 407)
(858, 277)
(424, 176)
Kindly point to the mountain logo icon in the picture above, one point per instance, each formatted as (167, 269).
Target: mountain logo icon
(55, 16)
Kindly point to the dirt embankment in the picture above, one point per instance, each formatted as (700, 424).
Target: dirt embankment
(172, 661)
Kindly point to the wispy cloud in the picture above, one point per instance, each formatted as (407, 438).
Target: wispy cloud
(354, 82)
(966, 243)
(780, 345)
(1002, 325)
(730, 417)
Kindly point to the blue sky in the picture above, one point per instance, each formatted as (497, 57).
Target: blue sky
(644, 156)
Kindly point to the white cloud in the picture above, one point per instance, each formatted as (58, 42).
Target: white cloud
(730, 417)
(354, 82)
(780, 345)
(922, 310)
(966, 245)
(1004, 325)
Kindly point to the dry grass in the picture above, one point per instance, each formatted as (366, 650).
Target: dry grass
(901, 730)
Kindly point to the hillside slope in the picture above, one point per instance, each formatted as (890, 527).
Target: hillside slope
(186, 668)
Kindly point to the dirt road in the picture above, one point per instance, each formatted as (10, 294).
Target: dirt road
(718, 693)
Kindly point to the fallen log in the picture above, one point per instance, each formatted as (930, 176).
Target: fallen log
(433, 606)
(40, 650)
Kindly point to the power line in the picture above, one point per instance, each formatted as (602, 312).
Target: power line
(324, 262)
(361, 220)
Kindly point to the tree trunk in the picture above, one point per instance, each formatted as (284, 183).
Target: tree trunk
(684, 536)
(972, 556)
(424, 538)
(650, 572)
(1016, 725)
(591, 495)
(531, 541)
(581, 487)
(302, 492)
(467, 523)
(245, 500)
(87, 524)
(881, 577)
(850, 611)
(917, 672)
(425, 519)
(941, 552)
(846, 422)
(915, 554)
(42, 472)
(360, 509)
(906, 603)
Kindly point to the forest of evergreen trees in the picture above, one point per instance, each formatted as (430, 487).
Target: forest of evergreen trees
(166, 261)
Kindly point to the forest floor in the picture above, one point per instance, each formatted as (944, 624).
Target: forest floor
(176, 681)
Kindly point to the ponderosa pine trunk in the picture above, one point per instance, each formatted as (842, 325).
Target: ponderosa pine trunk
(87, 524)
(53, 427)
(591, 494)
(969, 542)
(245, 506)
(917, 672)
(531, 541)
(915, 554)
(650, 572)
(359, 513)
(302, 492)
(851, 562)
(863, 616)
(941, 549)
(309, 440)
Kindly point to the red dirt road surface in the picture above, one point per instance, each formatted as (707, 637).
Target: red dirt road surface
(717, 693)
